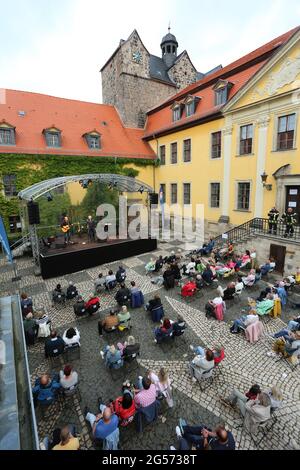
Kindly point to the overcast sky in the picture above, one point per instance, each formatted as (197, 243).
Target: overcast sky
(57, 47)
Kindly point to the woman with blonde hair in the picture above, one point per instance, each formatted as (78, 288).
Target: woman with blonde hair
(276, 397)
(163, 385)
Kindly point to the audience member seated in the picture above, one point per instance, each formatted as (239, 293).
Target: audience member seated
(288, 344)
(294, 324)
(137, 297)
(264, 307)
(58, 296)
(79, 307)
(176, 271)
(163, 331)
(45, 390)
(44, 324)
(202, 362)
(169, 279)
(228, 293)
(124, 407)
(281, 292)
(71, 337)
(105, 426)
(179, 327)
(26, 304)
(67, 440)
(30, 329)
(239, 399)
(99, 283)
(199, 282)
(129, 348)
(124, 319)
(239, 286)
(170, 259)
(203, 438)
(244, 321)
(264, 294)
(159, 264)
(200, 266)
(249, 280)
(190, 268)
(54, 346)
(189, 289)
(71, 291)
(207, 275)
(68, 378)
(121, 275)
(123, 295)
(109, 324)
(92, 305)
(110, 281)
(207, 248)
(155, 307)
(162, 384)
(258, 275)
(276, 398)
(150, 266)
(246, 259)
(218, 352)
(267, 267)
(215, 308)
(112, 356)
(145, 394)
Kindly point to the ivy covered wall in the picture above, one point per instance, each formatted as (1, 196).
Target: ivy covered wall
(31, 169)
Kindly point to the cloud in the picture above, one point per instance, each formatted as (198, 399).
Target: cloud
(63, 55)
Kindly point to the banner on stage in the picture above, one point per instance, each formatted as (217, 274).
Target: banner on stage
(4, 241)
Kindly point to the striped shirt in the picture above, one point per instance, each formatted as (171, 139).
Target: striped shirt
(146, 397)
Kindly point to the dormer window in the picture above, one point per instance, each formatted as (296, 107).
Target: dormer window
(93, 140)
(7, 134)
(177, 111)
(191, 104)
(221, 89)
(52, 137)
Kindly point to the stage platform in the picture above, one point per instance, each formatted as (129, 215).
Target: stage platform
(60, 260)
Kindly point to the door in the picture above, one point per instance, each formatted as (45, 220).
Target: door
(293, 199)
(278, 253)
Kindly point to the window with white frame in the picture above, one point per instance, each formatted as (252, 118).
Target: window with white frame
(162, 154)
(190, 108)
(174, 198)
(176, 113)
(243, 196)
(216, 144)
(174, 152)
(7, 136)
(186, 193)
(215, 195)
(187, 155)
(246, 139)
(286, 132)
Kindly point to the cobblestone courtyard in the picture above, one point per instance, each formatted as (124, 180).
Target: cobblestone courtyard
(244, 363)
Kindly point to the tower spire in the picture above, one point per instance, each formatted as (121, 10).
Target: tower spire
(169, 27)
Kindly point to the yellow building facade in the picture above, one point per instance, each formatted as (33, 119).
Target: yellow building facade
(259, 132)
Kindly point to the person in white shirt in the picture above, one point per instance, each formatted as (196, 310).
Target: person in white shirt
(250, 279)
(244, 321)
(71, 337)
(163, 385)
(68, 378)
(99, 283)
(239, 285)
(111, 278)
(276, 398)
(190, 267)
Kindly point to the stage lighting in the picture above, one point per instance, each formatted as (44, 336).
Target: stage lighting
(109, 186)
(142, 189)
(84, 183)
(49, 197)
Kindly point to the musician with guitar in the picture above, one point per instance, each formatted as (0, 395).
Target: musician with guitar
(66, 229)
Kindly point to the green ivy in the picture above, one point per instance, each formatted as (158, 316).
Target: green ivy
(31, 169)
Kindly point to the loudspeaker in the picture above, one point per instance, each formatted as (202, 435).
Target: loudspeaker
(154, 199)
(33, 213)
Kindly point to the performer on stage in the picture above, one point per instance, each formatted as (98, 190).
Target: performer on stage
(91, 227)
(66, 228)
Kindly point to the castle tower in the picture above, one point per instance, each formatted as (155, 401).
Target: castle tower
(169, 46)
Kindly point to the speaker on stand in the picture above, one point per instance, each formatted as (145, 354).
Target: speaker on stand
(33, 213)
(153, 199)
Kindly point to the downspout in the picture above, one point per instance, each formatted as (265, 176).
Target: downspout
(154, 166)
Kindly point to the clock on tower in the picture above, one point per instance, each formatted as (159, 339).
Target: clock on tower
(137, 57)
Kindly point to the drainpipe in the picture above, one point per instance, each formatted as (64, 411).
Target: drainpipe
(157, 143)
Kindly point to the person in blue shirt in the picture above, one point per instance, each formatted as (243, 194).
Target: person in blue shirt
(46, 389)
(104, 424)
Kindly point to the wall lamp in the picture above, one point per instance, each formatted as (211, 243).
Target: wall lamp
(264, 178)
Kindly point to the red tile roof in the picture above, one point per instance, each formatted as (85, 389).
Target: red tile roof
(238, 72)
(74, 119)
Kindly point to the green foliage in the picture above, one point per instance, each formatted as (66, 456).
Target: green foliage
(97, 194)
(31, 169)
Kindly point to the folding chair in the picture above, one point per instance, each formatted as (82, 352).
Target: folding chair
(202, 375)
(72, 352)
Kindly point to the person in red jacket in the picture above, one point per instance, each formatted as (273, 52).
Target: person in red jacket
(92, 305)
(124, 407)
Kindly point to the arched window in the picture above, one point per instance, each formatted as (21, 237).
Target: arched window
(174, 50)
(168, 49)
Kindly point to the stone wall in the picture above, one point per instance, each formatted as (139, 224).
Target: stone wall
(133, 96)
(183, 72)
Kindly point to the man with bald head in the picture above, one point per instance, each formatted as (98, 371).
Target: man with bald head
(203, 438)
(45, 389)
(104, 424)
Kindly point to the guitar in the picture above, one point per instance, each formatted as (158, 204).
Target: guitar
(66, 228)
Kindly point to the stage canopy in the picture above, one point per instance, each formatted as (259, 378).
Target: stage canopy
(118, 182)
